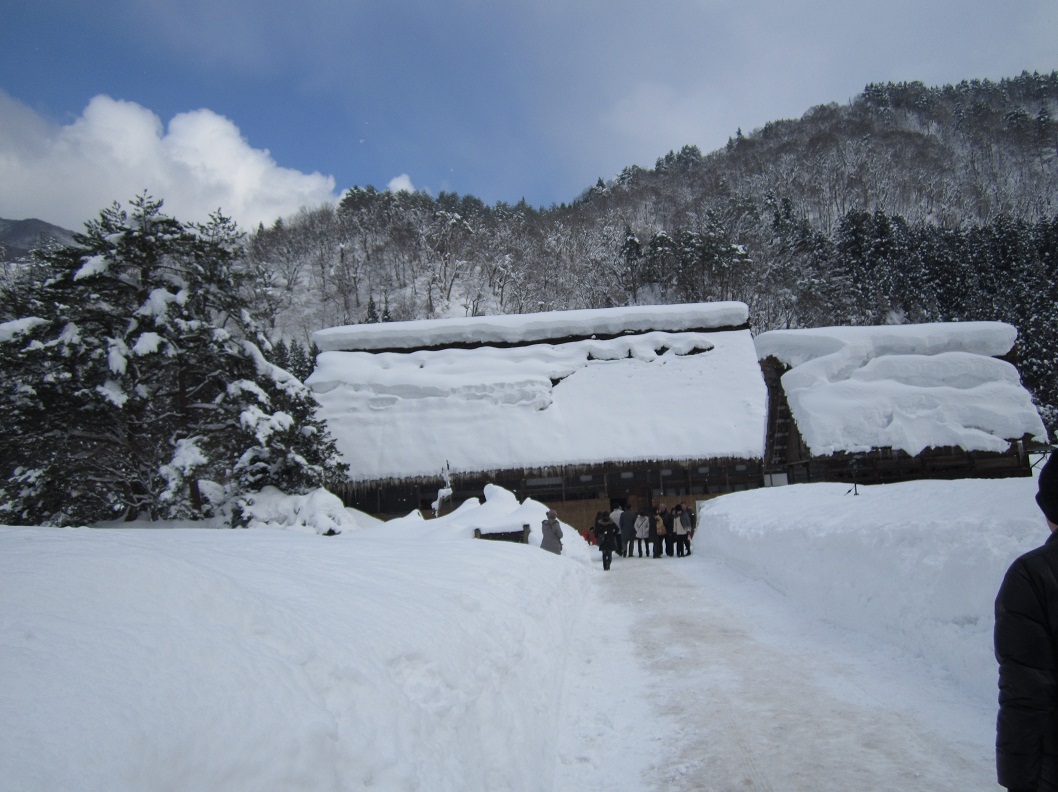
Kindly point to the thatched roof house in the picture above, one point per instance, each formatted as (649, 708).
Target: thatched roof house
(606, 404)
(891, 403)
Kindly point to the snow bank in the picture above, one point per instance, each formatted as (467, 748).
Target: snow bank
(390, 657)
(907, 387)
(500, 513)
(915, 565)
(650, 396)
(319, 512)
(525, 328)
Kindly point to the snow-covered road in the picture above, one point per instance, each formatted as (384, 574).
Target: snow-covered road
(687, 676)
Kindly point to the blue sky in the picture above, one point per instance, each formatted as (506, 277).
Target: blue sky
(261, 107)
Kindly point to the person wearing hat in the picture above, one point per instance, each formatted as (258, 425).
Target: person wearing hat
(1026, 645)
(552, 530)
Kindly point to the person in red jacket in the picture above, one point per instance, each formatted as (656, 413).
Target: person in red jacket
(1026, 644)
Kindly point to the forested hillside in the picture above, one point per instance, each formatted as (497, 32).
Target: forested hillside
(907, 204)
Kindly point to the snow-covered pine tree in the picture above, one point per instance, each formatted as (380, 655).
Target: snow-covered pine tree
(299, 364)
(283, 443)
(280, 354)
(631, 263)
(135, 375)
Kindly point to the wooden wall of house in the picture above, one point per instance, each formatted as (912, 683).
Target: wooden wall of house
(586, 489)
(886, 466)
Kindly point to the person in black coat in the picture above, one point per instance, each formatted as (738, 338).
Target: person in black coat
(1026, 644)
(628, 531)
(606, 534)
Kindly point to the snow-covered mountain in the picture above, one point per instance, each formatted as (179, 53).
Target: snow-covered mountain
(19, 237)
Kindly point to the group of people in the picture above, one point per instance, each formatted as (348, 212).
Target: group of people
(654, 531)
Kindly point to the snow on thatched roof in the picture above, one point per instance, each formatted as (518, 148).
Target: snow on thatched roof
(638, 395)
(908, 387)
(528, 328)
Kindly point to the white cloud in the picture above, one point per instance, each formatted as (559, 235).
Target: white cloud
(117, 149)
(400, 183)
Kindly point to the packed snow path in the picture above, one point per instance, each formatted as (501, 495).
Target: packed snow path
(688, 677)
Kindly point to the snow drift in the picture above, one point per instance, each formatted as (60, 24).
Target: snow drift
(407, 655)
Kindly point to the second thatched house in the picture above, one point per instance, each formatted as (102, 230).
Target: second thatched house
(896, 402)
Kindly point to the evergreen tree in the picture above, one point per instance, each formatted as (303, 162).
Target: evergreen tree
(710, 265)
(284, 444)
(662, 260)
(298, 362)
(631, 263)
(134, 374)
(280, 354)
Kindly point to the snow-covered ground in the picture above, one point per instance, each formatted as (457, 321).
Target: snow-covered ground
(817, 639)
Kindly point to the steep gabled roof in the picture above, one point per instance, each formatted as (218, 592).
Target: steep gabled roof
(502, 400)
(907, 387)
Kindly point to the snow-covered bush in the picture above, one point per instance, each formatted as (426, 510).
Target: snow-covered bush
(317, 511)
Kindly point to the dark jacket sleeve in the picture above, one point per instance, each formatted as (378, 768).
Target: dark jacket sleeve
(1024, 650)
